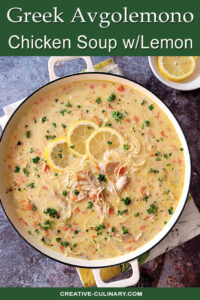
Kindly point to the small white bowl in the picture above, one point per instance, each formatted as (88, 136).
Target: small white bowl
(189, 84)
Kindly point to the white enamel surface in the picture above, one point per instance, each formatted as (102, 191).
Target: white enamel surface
(7, 204)
(189, 84)
(133, 280)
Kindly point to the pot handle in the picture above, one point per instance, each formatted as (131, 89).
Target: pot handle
(55, 59)
(119, 283)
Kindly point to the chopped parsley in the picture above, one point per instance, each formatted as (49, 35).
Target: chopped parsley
(44, 119)
(111, 98)
(101, 177)
(76, 192)
(117, 115)
(19, 143)
(99, 227)
(58, 240)
(51, 212)
(181, 149)
(153, 209)
(143, 102)
(145, 198)
(68, 104)
(151, 107)
(36, 160)
(124, 230)
(170, 211)
(25, 172)
(62, 112)
(125, 147)
(108, 124)
(65, 244)
(98, 100)
(31, 150)
(122, 212)
(54, 125)
(47, 225)
(109, 142)
(90, 205)
(64, 193)
(153, 171)
(28, 133)
(31, 185)
(126, 201)
(137, 214)
(76, 231)
(147, 123)
(17, 169)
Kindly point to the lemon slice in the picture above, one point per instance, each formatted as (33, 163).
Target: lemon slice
(77, 135)
(101, 140)
(57, 154)
(176, 68)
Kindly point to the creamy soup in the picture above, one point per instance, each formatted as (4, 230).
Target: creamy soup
(106, 189)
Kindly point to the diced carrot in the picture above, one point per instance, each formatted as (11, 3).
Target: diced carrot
(97, 168)
(142, 227)
(180, 161)
(162, 133)
(121, 170)
(152, 154)
(136, 119)
(147, 218)
(131, 248)
(28, 206)
(111, 107)
(104, 85)
(150, 132)
(77, 210)
(61, 248)
(38, 152)
(121, 88)
(79, 188)
(94, 236)
(46, 169)
(65, 227)
(157, 115)
(127, 120)
(92, 86)
(74, 198)
(44, 187)
(131, 241)
(111, 210)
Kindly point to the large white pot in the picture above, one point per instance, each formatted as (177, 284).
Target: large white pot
(8, 205)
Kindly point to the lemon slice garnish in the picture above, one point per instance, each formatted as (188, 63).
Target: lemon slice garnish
(176, 68)
(77, 135)
(57, 154)
(101, 140)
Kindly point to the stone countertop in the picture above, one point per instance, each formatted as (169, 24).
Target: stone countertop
(20, 264)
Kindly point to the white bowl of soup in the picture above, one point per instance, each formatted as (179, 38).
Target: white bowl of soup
(102, 212)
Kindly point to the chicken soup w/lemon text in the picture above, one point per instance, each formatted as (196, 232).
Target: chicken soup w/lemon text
(95, 169)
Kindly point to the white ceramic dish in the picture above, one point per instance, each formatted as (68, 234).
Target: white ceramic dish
(7, 202)
(189, 84)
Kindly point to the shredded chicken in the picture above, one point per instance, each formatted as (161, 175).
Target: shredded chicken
(121, 183)
(110, 167)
